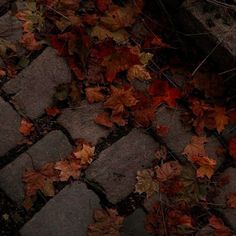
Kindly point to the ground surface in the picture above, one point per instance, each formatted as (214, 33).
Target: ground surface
(66, 205)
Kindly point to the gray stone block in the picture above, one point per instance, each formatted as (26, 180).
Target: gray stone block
(9, 128)
(116, 168)
(80, 122)
(34, 87)
(68, 213)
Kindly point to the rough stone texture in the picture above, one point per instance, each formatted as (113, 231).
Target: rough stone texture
(230, 214)
(53, 147)
(9, 128)
(179, 135)
(206, 231)
(134, 224)
(11, 177)
(118, 165)
(68, 213)
(34, 87)
(194, 21)
(80, 122)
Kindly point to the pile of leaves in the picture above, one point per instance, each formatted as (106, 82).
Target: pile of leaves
(111, 47)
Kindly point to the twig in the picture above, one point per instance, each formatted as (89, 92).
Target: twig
(59, 13)
(227, 71)
(222, 4)
(205, 59)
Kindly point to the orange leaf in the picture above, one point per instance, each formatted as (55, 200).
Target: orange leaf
(84, 153)
(218, 225)
(52, 111)
(232, 147)
(29, 42)
(104, 119)
(221, 119)
(26, 127)
(94, 94)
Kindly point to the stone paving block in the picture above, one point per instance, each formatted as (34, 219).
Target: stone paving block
(34, 87)
(194, 21)
(179, 135)
(9, 128)
(134, 225)
(116, 168)
(79, 122)
(68, 213)
(53, 147)
(11, 177)
(230, 214)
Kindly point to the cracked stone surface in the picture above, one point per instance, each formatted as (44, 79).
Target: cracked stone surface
(9, 128)
(118, 165)
(52, 147)
(34, 87)
(79, 122)
(68, 213)
(230, 214)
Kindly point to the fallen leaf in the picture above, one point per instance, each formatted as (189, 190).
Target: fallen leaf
(221, 118)
(206, 166)
(104, 120)
(52, 111)
(146, 182)
(162, 130)
(29, 42)
(26, 127)
(138, 72)
(103, 5)
(85, 154)
(231, 200)
(168, 171)
(161, 153)
(219, 227)
(232, 147)
(95, 94)
(68, 168)
(107, 222)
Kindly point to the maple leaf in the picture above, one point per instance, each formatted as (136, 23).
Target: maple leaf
(120, 99)
(219, 227)
(26, 127)
(144, 116)
(95, 94)
(29, 42)
(221, 119)
(52, 111)
(84, 153)
(138, 72)
(103, 5)
(231, 200)
(68, 168)
(196, 147)
(146, 182)
(206, 166)
(232, 147)
(162, 92)
(107, 222)
(168, 170)
(102, 33)
(154, 40)
(118, 119)
(104, 120)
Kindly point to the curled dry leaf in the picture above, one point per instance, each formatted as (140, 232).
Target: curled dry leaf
(68, 168)
(232, 147)
(231, 200)
(219, 227)
(29, 42)
(146, 182)
(107, 222)
(26, 127)
(168, 171)
(138, 72)
(84, 154)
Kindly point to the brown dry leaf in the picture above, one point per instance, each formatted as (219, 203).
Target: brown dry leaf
(68, 168)
(84, 154)
(206, 166)
(218, 225)
(231, 200)
(196, 147)
(221, 119)
(120, 99)
(168, 170)
(161, 153)
(102, 33)
(104, 120)
(146, 182)
(29, 42)
(95, 94)
(26, 127)
(107, 222)
(138, 72)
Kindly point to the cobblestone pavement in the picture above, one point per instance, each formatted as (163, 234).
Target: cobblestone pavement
(71, 210)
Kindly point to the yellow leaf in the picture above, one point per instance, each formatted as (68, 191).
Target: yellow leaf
(138, 72)
(85, 154)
